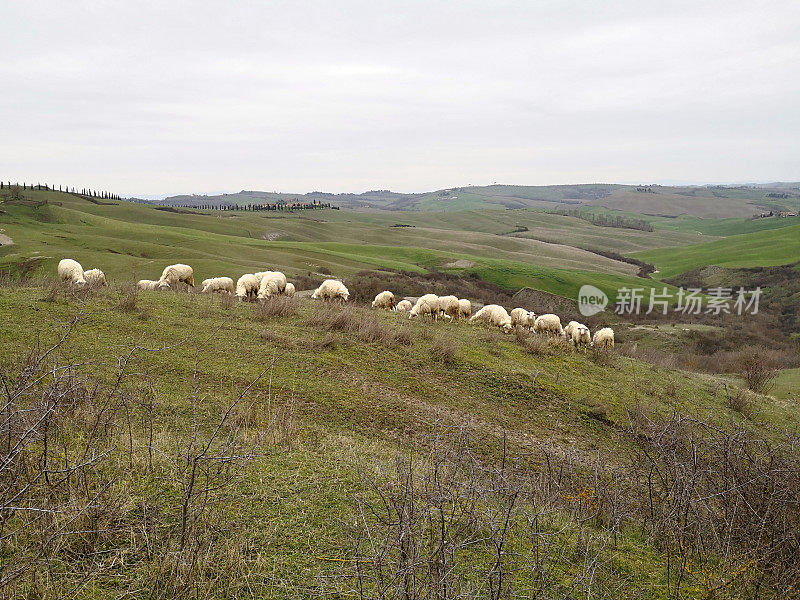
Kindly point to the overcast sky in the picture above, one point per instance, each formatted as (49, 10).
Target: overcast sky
(192, 97)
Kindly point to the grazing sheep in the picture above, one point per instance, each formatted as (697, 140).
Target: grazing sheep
(72, 271)
(522, 318)
(146, 284)
(222, 285)
(449, 307)
(273, 283)
(385, 299)
(246, 286)
(577, 334)
(603, 339)
(278, 277)
(289, 290)
(331, 289)
(426, 305)
(403, 306)
(493, 314)
(95, 277)
(464, 309)
(548, 324)
(175, 274)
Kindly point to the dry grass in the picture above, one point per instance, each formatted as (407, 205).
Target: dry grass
(127, 298)
(275, 307)
(739, 400)
(364, 325)
(445, 349)
(603, 357)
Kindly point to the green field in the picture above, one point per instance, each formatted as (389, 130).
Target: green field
(787, 385)
(760, 249)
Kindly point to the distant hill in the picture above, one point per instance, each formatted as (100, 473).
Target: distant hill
(718, 201)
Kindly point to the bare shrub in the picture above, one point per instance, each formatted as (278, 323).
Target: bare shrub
(603, 357)
(228, 301)
(441, 523)
(444, 350)
(541, 345)
(404, 337)
(57, 291)
(59, 493)
(85, 478)
(364, 325)
(275, 307)
(758, 370)
(739, 400)
(127, 297)
(721, 496)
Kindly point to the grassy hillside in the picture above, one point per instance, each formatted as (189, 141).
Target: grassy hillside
(763, 248)
(318, 410)
(130, 241)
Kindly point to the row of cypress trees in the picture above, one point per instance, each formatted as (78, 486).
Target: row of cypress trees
(70, 190)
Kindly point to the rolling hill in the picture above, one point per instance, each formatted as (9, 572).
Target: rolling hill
(236, 450)
(133, 241)
(190, 445)
(655, 200)
(759, 249)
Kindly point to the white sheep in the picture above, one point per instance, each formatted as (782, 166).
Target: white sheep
(603, 339)
(146, 284)
(464, 309)
(449, 307)
(426, 305)
(246, 286)
(577, 334)
(493, 314)
(289, 290)
(222, 285)
(72, 271)
(522, 318)
(175, 274)
(548, 324)
(403, 306)
(385, 300)
(273, 283)
(278, 277)
(331, 289)
(95, 277)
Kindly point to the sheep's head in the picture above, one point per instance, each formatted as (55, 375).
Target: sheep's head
(507, 328)
(162, 286)
(315, 295)
(80, 282)
(346, 296)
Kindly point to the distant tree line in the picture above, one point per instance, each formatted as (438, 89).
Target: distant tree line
(85, 192)
(603, 220)
(646, 190)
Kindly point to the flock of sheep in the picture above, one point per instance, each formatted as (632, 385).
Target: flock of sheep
(268, 284)
(450, 307)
